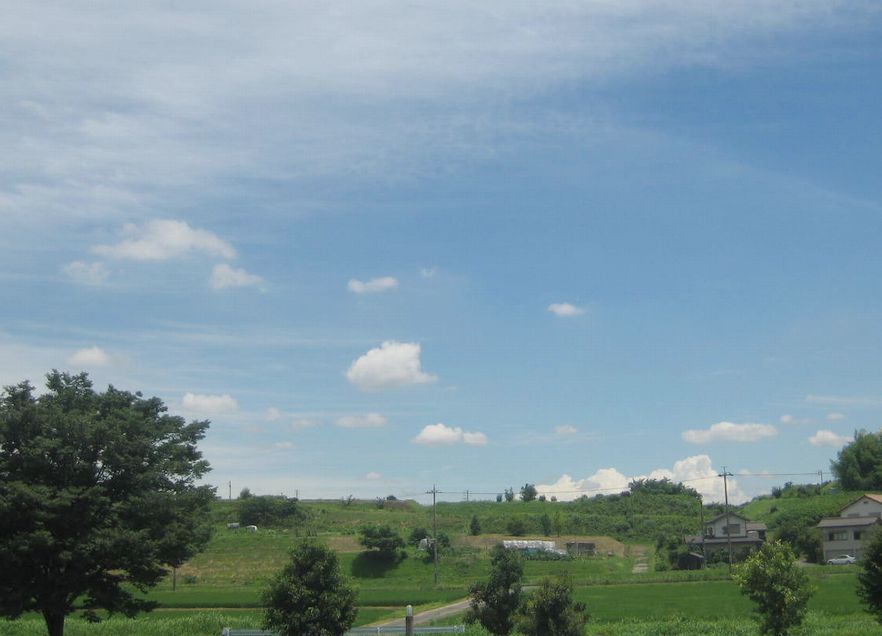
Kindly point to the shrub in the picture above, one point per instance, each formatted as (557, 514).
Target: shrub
(551, 611)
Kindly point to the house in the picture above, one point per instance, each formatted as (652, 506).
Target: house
(728, 529)
(847, 533)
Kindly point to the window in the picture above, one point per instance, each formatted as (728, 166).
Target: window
(709, 531)
(857, 535)
(839, 535)
(732, 529)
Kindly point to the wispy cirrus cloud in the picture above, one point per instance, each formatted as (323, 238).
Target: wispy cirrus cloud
(372, 286)
(85, 273)
(369, 420)
(729, 432)
(162, 240)
(223, 276)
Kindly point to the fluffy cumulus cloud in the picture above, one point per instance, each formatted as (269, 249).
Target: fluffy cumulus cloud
(389, 366)
(208, 404)
(371, 420)
(565, 431)
(90, 357)
(730, 432)
(565, 310)
(828, 438)
(372, 286)
(162, 240)
(223, 276)
(442, 435)
(696, 471)
(86, 273)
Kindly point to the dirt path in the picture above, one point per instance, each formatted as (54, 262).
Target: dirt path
(429, 615)
(641, 560)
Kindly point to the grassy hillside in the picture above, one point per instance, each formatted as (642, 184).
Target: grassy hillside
(826, 504)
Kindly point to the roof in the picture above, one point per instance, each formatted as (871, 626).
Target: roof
(731, 515)
(847, 522)
(869, 495)
(755, 526)
(699, 540)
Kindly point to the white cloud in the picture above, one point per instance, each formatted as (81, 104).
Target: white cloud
(208, 404)
(786, 419)
(729, 432)
(373, 286)
(428, 272)
(696, 472)
(442, 435)
(789, 419)
(828, 438)
(371, 420)
(565, 431)
(373, 476)
(299, 423)
(284, 445)
(164, 239)
(835, 417)
(90, 357)
(565, 309)
(87, 273)
(272, 414)
(223, 276)
(392, 365)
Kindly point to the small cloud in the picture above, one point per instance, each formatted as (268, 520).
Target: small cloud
(565, 431)
(789, 419)
(209, 404)
(443, 435)
(828, 438)
(300, 423)
(565, 309)
(86, 273)
(729, 432)
(223, 276)
(392, 365)
(371, 420)
(372, 476)
(272, 414)
(835, 417)
(373, 286)
(90, 357)
(428, 272)
(162, 240)
(284, 445)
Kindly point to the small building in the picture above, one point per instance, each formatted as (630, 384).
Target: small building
(581, 548)
(728, 529)
(847, 534)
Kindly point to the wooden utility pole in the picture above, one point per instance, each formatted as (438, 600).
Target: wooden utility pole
(728, 527)
(434, 492)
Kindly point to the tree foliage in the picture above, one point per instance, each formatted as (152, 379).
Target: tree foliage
(97, 498)
(383, 539)
(551, 610)
(528, 492)
(870, 576)
(780, 589)
(509, 494)
(417, 535)
(310, 595)
(858, 466)
(474, 526)
(662, 486)
(494, 603)
(268, 510)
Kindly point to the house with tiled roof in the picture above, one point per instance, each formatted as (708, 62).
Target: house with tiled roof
(728, 529)
(848, 533)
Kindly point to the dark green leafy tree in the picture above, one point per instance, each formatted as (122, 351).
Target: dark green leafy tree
(870, 576)
(858, 466)
(474, 526)
(547, 526)
(528, 492)
(551, 610)
(382, 539)
(779, 588)
(509, 494)
(494, 603)
(516, 527)
(417, 535)
(98, 497)
(269, 510)
(310, 595)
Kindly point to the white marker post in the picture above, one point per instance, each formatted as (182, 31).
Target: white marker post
(408, 621)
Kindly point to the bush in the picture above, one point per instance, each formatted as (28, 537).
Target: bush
(383, 539)
(417, 535)
(494, 603)
(870, 576)
(474, 526)
(516, 527)
(551, 611)
(268, 511)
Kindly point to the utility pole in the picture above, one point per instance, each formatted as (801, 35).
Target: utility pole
(230, 485)
(820, 480)
(728, 526)
(467, 495)
(434, 492)
(703, 533)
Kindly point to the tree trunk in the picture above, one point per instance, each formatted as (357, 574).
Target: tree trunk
(54, 622)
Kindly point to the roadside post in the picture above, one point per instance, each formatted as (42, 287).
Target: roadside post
(408, 621)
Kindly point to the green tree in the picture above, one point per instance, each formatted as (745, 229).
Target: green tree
(97, 498)
(557, 523)
(383, 539)
(547, 526)
(474, 526)
(858, 466)
(870, 576)
(268, 510)
(551, 610)
(310, 595)
(780, 589)
(516, 527)
(528, 492)
(417, 535)
(493, 603)
(509, 494)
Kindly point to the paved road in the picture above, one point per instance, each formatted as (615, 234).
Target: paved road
(430, 615)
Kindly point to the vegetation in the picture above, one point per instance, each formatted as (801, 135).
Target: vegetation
(383, 540)
(858, 466)
(310, 595)
(268, 511)
(870, 576)
(474, 526)
(779, 588)
(97, 498)
(551, 610)
(528, 492)
(493, 603)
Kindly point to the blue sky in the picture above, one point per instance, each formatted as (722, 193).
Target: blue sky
(386, 246)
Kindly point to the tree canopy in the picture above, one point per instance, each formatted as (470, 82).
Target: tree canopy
(310, 595)
(870, 576)
(383, 539)
(494, 602)
(528, 492)
(858, 466)
(98, 496)
(551, 610)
